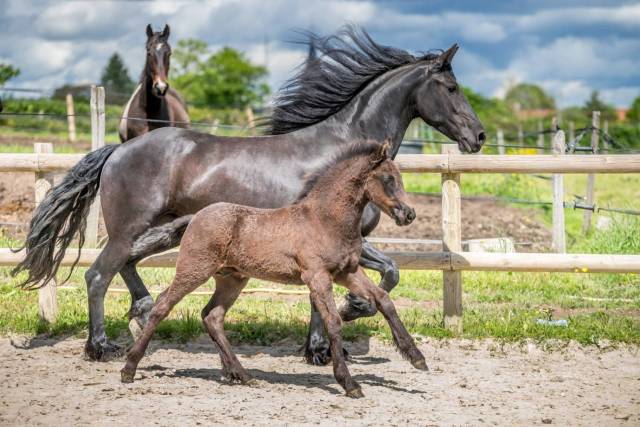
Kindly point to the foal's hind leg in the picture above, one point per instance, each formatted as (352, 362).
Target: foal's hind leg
(227, 291)
(359, 284)
(191, 272)
(157, 239)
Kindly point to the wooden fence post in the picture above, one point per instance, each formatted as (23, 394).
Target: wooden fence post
(520, 136)
(558, 232)
(500, 142)
(97, 141)
(451, 241)
(251, 122)
(572, 131)
(540, 137)
(71, 119)
(47, 301)
(591, 178)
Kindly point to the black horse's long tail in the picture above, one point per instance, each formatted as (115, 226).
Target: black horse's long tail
(61, 215)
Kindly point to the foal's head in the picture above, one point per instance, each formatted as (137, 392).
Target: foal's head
(158, 54)
(384, 187)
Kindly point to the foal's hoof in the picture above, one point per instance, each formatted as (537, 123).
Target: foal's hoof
(356, 307)
(126, 376)
(420, 364)
(102, 352)
(355, 393)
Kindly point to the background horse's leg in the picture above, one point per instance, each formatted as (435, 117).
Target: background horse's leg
(141, 299)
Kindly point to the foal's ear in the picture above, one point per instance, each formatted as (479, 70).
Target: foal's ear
(166, 31)
(382, 153)
(149, 30)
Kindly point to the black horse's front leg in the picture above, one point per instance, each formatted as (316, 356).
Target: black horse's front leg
(356, 307)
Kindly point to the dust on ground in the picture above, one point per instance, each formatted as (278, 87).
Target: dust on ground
(47, 382)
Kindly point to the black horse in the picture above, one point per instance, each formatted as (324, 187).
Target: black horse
(354, 90)
(153, 103)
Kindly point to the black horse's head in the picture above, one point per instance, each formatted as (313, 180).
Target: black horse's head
(158, 57)
(441, 103)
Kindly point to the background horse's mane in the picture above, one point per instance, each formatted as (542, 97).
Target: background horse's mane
(365, 148)
(346, 62)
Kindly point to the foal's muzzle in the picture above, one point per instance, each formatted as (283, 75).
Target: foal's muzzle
(404, 215)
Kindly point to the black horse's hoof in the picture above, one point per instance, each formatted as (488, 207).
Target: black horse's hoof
(320, 355)
(356, 307)
(139, 316)
(102, 352)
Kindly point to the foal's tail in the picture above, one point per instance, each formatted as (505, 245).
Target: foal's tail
(59, 217)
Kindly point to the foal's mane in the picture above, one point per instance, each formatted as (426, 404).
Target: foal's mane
(366, 148)
(346, 62)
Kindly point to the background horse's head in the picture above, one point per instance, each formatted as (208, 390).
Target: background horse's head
(158, 54)
(441, 103)
(385, 189)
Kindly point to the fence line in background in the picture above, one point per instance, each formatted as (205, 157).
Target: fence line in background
(591, 178)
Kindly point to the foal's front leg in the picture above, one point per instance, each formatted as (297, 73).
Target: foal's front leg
(359, 284)
(320, 287)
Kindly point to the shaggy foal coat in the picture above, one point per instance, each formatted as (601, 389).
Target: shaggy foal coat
(315, 241)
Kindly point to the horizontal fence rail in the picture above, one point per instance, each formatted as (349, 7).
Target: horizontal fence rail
(451, 261)
(435, 163)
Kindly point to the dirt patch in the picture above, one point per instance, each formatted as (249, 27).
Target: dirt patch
(470, 383)
(481, 218)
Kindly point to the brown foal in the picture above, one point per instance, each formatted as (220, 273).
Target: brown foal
(315, 241)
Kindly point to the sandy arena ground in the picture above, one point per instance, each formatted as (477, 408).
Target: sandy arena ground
(47, 382)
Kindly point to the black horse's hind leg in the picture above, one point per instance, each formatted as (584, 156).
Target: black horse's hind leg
(98, 276)
(141, 300)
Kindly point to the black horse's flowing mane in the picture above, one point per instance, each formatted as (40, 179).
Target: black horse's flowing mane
(365, 148)
(345, 63)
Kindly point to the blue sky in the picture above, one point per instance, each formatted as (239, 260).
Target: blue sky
(568, 47)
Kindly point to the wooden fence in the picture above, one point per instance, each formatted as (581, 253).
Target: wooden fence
(451, 260)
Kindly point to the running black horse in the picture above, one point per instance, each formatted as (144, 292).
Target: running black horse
(153, 103)
(354, 90)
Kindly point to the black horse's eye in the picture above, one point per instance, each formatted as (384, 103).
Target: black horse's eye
(452, 89)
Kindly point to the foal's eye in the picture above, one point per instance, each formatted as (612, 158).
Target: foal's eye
(388, 180)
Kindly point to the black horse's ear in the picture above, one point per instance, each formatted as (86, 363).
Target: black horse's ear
(447, 56)
(149, 30)
(166, 31)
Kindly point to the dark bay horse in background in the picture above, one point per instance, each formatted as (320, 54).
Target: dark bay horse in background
(315, 241)
(153, 99)
(354, 90)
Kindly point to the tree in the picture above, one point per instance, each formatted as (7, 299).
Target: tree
(223, 79)
(529, 97)
(7, 72)
(607, 112)
(115, 76)
(633, 114)
(188, 55)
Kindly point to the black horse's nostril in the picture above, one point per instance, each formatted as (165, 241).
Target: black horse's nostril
(481, 137)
